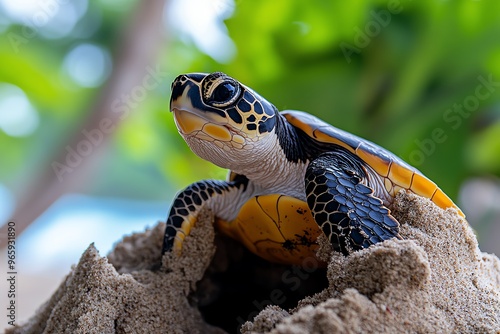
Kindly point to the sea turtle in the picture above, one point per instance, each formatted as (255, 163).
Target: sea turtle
(292, 176)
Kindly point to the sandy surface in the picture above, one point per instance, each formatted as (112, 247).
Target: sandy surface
(124, 293)
(436, 280)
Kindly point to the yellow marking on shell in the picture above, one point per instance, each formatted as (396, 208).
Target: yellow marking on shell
(422, 186)
(218, 132)
(400, 175)
(441, 200)
(325, 138)
(188, 122)
(265, 223)
(444, 202)
(316, 132)
(377, 163)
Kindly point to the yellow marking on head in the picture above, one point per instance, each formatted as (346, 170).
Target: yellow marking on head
(218, 132)
(422, 186)
(400, 175)
(377, 163)
(188, 122)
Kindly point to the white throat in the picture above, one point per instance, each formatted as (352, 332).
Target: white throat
(262, 161)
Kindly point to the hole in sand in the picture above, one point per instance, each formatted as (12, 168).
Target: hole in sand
(238, 285)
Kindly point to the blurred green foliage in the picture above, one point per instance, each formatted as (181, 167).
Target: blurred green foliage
(394, 88)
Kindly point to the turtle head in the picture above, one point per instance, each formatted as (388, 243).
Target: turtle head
(218, 115)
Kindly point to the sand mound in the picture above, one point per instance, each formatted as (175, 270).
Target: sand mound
(436, 280)
(124, 294)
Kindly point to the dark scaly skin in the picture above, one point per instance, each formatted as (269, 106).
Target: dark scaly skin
(190, 201)
(346, 210)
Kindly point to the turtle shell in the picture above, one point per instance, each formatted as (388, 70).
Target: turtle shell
(395, 173)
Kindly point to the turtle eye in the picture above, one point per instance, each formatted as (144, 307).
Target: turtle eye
(225, 94)
(219, 90)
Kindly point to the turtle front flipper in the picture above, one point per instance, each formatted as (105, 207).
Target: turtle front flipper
(344, 206)
(223, 198)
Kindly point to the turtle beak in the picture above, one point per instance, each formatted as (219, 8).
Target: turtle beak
(188, 118)
(180, 104)
(187, 122)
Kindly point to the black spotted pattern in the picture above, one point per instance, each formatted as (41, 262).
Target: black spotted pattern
(191, 200)
(249, 97)
(242, 109)
(257, 107)
(244, 106)
(346, 210)
(235, 115)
